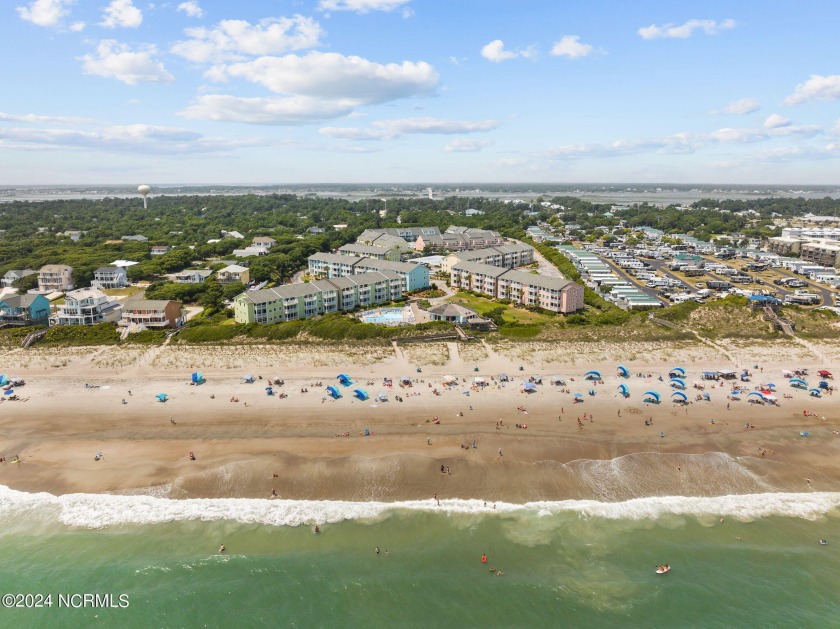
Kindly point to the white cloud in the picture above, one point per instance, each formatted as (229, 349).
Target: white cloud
(816, 88)
(4, 117)
(362, 6)
(392, 129)
(743, 136)
(495, 52)
(571, 46)
(738, 107)
(464, 145)
(191, 8)
(230, 39)
(683, 31)
(121, 13)
(77, 27)
(44, 12)
(290, 110)
(333, 76)
(114, 60)
(774, 121)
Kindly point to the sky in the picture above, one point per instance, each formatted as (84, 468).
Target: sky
(388, 91)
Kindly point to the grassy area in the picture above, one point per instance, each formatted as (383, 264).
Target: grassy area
(483, 305)
(124, 293)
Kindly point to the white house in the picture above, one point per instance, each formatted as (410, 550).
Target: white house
(87, 306)
(109, 277)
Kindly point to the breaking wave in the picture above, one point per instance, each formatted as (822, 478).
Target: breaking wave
(107, 510)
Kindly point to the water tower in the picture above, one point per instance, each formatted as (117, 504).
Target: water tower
(144, 190)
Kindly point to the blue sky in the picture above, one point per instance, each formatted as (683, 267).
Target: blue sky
(305, 91)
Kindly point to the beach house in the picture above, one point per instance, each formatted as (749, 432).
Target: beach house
(233, 273)
(109, 277)
(55, 277)
(152, 313)
(87, 306)
(12, 276)
(29, 309)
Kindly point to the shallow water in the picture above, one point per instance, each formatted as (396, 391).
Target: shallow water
(570, 563)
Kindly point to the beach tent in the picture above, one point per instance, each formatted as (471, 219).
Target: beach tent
(247, 378)
(798, 383)
(529, 387)
(680, 396)
(591, 392)
(592, 375)
(503, 377)
(823, 384)
(653, 396)
(622, 388)
(680, 370)
(162, 397)
(579, 395)
(344, 379)
(361, 394)
(197, 377)
(825, 374)
(710, 375)
(479, 380)
(535, 379)
(333, 392)
(4, 380)
(677, 383)
(405, 379)
(622, 371)
(757, 393)
(787, 373)
(381, 397)
(449, 379)
(815, 393)
(707, 397)
(557, 380)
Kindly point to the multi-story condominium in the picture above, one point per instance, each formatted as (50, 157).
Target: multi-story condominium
(55, 277)
(370, 251)
(29, 309)
(509, 255)
(460, 239)
(408, 234)
(233, 273)
(825, 253)
(14, 275)
(87, 306)
(520, 287)
(303, 300)
(331, 265)
(785, 245)
(152, 313)
(110, 277)
(378, 238)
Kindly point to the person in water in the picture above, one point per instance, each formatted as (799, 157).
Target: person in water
(222, 548)
(484, 559)
(317, 529)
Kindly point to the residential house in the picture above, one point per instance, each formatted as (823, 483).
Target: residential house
(370, 251)
(263, 242)
(87, 306)
(74, 235)
(520, 287)
(110, 277)
(159, 250)
(29, 309)
(233, 273)
(231, 234)
(136, 237)
(331, 265)
(308, 299)
(191, 276)
(55, 277)
(454, 313)
(247, 252)
(152, 313)
(14, 275)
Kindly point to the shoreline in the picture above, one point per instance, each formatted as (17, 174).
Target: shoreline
(241, 446)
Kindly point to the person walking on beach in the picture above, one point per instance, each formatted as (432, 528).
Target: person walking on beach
(500, 452)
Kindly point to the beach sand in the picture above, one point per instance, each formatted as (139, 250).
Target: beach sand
(294, 446)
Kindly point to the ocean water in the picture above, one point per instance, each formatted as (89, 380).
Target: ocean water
(737, 561)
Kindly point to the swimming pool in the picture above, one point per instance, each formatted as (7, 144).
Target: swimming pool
(388, 316)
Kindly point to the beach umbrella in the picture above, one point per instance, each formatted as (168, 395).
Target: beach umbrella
(592, 375)
(161, 397)
(823, 384)
(653, 394)
(623, 372)
(707, 397)
(680, 395)
(591, 392)
(771, 386)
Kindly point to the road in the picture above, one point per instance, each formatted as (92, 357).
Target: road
(545, 267)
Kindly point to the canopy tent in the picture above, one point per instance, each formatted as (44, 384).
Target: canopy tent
(592, 375)
(653, 396)
(529, 387)
(770, 398)
(406, 379)
(503, 377)
(162, 397)
(798, 382)
(197, 377)
(815, 392)
(706, 396)
(479, 380)
(710, 375)
(344, 379)
(449, 379)
(680, 396)
(823, 384)
(247, 378)
(277, 380)
(361, 394)
(381, 397)
(623, 372)
(825, 374)
(622, 388)
(333, 392)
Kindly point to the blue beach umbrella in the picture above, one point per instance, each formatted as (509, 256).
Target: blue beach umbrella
(592, 375)
(680, 395)
(622, 388)
(678, 383)
(815, 392)
(654, 395)
(757, 394)
(622, 371)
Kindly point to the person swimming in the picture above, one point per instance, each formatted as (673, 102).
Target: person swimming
(222, 548)
(317, 529)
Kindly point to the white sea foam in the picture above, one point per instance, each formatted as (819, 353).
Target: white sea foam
(106, 510)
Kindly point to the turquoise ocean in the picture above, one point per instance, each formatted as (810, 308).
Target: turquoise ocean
(737, 561)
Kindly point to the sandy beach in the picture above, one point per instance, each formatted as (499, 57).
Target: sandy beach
(295, 445)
